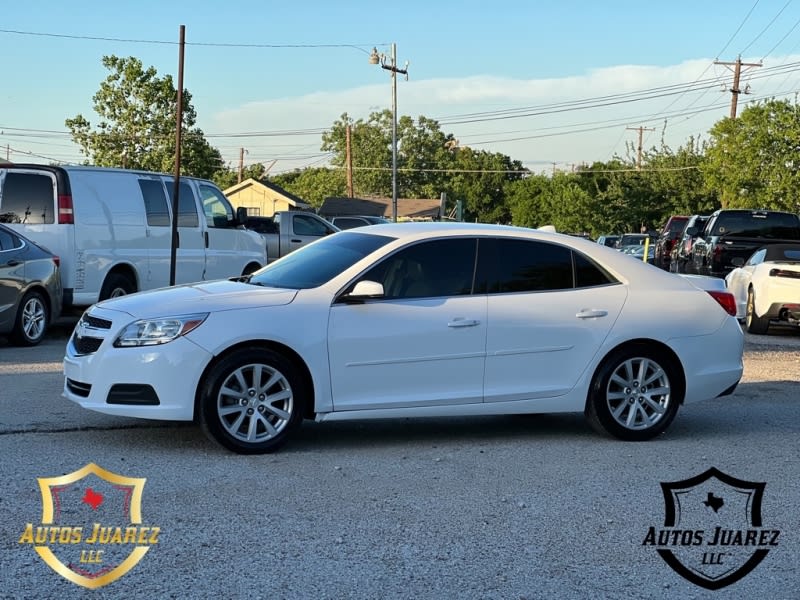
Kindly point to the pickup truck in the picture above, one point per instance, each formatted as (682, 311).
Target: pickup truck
(732, 235)
(289, 230)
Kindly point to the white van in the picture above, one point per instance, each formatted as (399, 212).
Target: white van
(112, 228)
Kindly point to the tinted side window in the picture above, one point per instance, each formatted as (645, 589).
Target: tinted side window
(306, 225)
(509, 265)
(427, 269)
(27, 198)
(8, 241)
(217, 208)
(588, 274)
(155, 202)
(187, 207)
(348, 222)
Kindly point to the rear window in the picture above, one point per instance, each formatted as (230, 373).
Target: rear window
(676, 225)
(771, 225)
(27, 198)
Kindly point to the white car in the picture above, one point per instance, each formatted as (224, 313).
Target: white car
(767, 287)
(412, 320)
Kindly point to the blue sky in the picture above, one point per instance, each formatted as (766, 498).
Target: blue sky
(466, 57)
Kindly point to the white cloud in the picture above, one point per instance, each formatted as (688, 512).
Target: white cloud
(564, 135)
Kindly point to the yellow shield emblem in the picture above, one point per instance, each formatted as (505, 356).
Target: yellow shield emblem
(91, 531)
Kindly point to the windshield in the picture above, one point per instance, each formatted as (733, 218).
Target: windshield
(318, 263)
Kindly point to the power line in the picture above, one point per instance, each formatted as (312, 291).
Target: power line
(360, 47)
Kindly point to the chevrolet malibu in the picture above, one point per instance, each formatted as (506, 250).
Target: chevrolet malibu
(412, 320)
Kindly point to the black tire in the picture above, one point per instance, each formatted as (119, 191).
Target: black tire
(33, 319)
(243, 418)
(620, 405)
(754, 323)
(251, 268)
(116, 285)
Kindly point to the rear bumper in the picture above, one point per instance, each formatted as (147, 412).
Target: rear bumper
(712, 374)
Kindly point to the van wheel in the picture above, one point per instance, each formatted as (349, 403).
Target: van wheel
(251, 401)
(116, 285)
(634, 394)
(251, 268)
(33, 318)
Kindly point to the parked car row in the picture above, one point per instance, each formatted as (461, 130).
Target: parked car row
(716, 244)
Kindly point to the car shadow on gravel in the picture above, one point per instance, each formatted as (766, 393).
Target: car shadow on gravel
(755, 410)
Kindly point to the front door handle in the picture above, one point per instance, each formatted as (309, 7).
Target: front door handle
(463, 323)
(591, 313)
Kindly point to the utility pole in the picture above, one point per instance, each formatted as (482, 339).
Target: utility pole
(241, 163)
(348, 161)
(641, 131)
(391, 66)
(737, 71)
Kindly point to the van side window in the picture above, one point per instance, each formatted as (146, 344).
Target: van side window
(218, 211)
(187, 207)
(155, 202)
(27, 198)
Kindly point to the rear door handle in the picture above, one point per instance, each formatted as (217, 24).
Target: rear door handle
(591, 313)
(463, 323)
(13, 262)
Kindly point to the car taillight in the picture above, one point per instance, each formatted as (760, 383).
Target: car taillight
(725, 300)
(65, 216)
(784, 273)
(57, 260)
(716, 256)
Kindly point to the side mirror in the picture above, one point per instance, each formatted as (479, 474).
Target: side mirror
(241, 215)
(364, 290)
(737, 261)
(691, 231)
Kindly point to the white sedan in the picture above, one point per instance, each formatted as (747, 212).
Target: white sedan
(412, 320)
(767, 287)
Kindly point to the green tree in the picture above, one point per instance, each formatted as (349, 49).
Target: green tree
(136, 127)
(313, 184)
(370, 148)
(752, 161)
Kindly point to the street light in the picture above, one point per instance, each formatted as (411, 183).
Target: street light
(374, 59)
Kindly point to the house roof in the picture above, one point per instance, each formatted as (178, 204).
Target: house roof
(411, 208)
(296, 201)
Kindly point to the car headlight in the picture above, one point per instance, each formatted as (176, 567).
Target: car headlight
(152, 332)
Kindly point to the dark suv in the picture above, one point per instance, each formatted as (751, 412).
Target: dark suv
(670, 233)
(737, 233)
(681, 251)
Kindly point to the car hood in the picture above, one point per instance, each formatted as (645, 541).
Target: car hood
(202, 297)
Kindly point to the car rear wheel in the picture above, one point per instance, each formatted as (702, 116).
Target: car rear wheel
(251, 401)
(754, 323)
(635, 394)
(33, 318)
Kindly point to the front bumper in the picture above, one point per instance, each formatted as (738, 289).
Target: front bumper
(151, 382)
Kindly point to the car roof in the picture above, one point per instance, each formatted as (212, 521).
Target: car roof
(782, 252)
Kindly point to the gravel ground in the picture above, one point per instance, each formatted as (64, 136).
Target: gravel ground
(499, 507)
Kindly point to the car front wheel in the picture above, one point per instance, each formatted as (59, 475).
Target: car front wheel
(754, 323)
(251, 401)
(635, 394)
